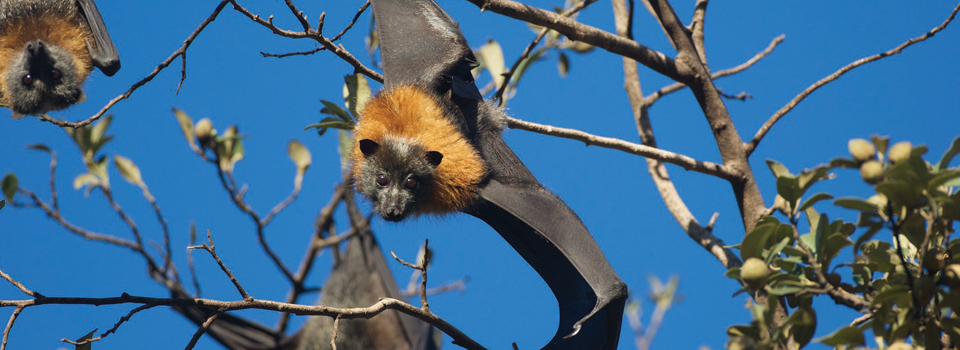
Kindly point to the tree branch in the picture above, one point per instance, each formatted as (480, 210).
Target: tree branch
(180, 52)
(591, 35)
(213, 252)
(752, 145)
(629, 147)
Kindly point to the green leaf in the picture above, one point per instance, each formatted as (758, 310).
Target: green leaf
(299, 154)
(128, 170)
(947, 157)
(86, 346)
(784, 290)
(756, 240)
(186, 125)
(848, 335)
(10, 185)
(522, 68)
(813, 200)
(778, 169)
(335, 110)
(775, 251)
(356, 93)
(804, 321)
(563, 64)
(856, 204)
(3, 203)
(844, 163)
(809, 177)
(345, 149)
(789, 189)
(331, 123)
(900, 192)
(99, 129)
(942, 178)
(491, 56)
(40, 147)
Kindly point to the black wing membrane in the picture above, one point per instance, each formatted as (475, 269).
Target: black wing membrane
(420, 44)
(234, 333)
(103, 52)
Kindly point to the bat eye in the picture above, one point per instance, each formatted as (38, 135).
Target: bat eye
(55, 73)
(27, 79)
(382, 180)
(411, 183)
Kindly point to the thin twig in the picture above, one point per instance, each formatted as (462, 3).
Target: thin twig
(203, 329)
(75, 229)
(112, 329)
(629, 147)
(752, 145)
(333, 337)
(20, 286)
(280, 206)
(352, 22)
(460, 286)
(526, 52)
(180, 52)
(6, 330)
(422, 267)
(213, 252)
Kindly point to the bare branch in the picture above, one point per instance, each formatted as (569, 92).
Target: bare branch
(20, 286)
(180, 52)
(311, 34)
(352, 22)
(112, 329)
(752, 145)
(6, 330)
(333, 337)
(75, 229)
(203, 329)
(591, 35)
(213, 252)
(526, 52)
(696, 29)
(623, 14)
(629, 147)
(458, 285)
(722, 73)
(422, 267)
(384, 304)
(280, 206)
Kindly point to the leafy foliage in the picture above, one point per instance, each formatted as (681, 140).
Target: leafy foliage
(905, 286)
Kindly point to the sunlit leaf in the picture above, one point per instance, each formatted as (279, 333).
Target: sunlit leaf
(778, 169)
(99, 129)
(128, 170)
(300, 155)
(881, 142)
(756, 240)
(810, 177)
(84, 180)
(186, 125)
(356, 93)
(491, 56)
(345, 148)
(789, 188)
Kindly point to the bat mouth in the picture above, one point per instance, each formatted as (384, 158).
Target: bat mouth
(393, 217)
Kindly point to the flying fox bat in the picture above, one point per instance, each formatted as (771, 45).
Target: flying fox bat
(429, 144)
(359, 278)
(47, 50)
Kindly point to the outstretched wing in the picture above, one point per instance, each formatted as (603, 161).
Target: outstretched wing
(420, 44)
(103, 52)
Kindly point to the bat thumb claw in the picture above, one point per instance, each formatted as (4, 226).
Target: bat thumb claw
(576, 329)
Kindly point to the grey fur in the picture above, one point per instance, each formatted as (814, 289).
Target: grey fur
(13, 9)
(35, 88)
(398, 159)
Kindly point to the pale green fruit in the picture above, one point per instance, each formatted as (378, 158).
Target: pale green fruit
(754, 272)
(900, 152)
(862, 150)
(871, 171)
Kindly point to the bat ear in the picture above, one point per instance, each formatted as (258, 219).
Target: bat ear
(434, 158)
(369, 147)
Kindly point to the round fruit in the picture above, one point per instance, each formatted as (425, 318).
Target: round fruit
(204, 130)
(861, 150)
(871, 171)
(935, 259)
(754, 272)
(900, 152)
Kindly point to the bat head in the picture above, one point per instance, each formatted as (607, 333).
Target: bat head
(42, 78)
(397, 175)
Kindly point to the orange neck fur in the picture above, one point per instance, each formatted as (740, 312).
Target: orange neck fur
(412, 113)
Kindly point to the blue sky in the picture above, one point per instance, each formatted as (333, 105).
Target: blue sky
(912, 96)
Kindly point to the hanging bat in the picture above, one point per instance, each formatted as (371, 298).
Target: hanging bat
(360, 277)
(429, 144)
(47, 49)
